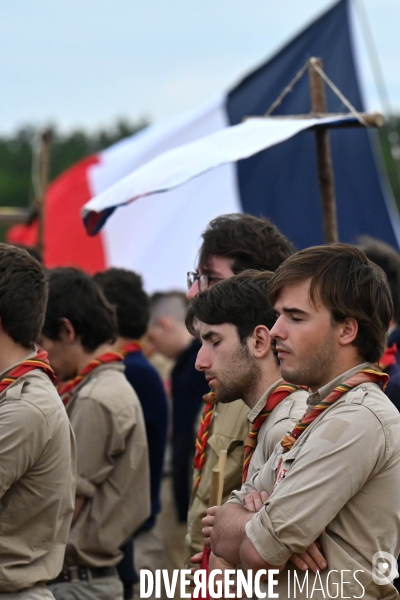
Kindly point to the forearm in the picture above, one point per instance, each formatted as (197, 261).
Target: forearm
(229, 532)
(250, 558)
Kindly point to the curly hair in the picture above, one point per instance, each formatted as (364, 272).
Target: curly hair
(252, 243)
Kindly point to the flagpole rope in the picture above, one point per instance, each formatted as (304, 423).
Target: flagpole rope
(327, 80)
(287, 90)
(339, 94)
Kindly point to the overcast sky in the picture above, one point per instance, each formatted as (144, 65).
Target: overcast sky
(86, 62)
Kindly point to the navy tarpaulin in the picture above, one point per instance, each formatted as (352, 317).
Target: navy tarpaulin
(281, 182)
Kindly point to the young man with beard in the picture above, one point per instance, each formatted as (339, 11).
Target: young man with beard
(231, 244)
(233, 321)
(336, 475)
(113, 488)
(37, 448)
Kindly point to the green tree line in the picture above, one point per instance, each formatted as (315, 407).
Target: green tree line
(16, 154)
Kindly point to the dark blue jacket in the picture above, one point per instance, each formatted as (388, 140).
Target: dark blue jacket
(150, 390)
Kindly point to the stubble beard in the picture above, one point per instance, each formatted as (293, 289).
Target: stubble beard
(315, 372)
(240, 379)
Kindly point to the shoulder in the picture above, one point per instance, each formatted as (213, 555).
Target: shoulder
(231, 419)
(369, 396)
(292, 407)
(109, 388)
(141, 373)
(33, 402)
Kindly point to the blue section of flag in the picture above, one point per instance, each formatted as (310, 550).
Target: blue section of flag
(281, 182)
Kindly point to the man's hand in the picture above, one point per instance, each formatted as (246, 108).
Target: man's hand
(254, 501)
(208, 524)
(312, 558)
(219, 563)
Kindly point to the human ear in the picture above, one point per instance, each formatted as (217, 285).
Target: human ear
(348, 331)
(261, 339)
(67, 331)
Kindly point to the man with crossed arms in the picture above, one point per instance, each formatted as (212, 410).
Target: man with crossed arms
(233, 320)
(338, 471)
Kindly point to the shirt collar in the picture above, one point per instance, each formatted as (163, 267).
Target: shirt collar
(324, 391)
(255, 411)
(27, 357)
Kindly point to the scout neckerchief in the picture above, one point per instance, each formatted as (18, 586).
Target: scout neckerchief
(39, 361)
(389, 358)
(130, 347)
(369, 374)
(280, 393)
(65, 390)
(202, 436)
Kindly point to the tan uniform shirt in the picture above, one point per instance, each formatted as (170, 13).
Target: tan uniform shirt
(113, 470)
(37, 481)
(229, 429)
(343, 476)
(281, 420)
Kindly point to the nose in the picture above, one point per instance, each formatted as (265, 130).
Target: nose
(202, 360)
(277, 330)
(194, 290)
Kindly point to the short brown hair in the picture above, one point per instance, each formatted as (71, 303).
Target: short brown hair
(349, 285)
(240, 300)
(124, 290)
(23, 295)
(252, 243)
(74, 295)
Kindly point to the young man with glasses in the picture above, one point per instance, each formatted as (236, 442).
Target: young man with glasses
(231, 244)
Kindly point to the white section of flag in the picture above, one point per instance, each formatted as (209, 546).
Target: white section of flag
(179, 165)
(160, 238)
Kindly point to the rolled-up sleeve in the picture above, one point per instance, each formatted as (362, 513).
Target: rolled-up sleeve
(330, 468)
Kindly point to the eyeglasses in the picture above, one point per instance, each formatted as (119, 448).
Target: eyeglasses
(204, 280)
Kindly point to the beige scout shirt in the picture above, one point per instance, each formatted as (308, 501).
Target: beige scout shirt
(281, 420)
(37, 481)
(344, 477)
(113, 469)
(229, 429)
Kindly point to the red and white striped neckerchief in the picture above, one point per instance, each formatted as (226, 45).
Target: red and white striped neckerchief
(66, 389)
(130, 347)
(281, 392)
(38, 361)
(366, 375)
(203, 435)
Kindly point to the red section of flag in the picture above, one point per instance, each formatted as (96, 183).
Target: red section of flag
(26, 235)
(66, 242)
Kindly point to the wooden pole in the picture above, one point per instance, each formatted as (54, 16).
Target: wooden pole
(324, 158)
(44, 163)
(215, 487)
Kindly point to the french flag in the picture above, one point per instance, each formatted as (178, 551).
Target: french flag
(159, 235)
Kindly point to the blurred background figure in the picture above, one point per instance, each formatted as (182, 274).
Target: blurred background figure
(167, 334)
(388, 259)
(124, 290)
